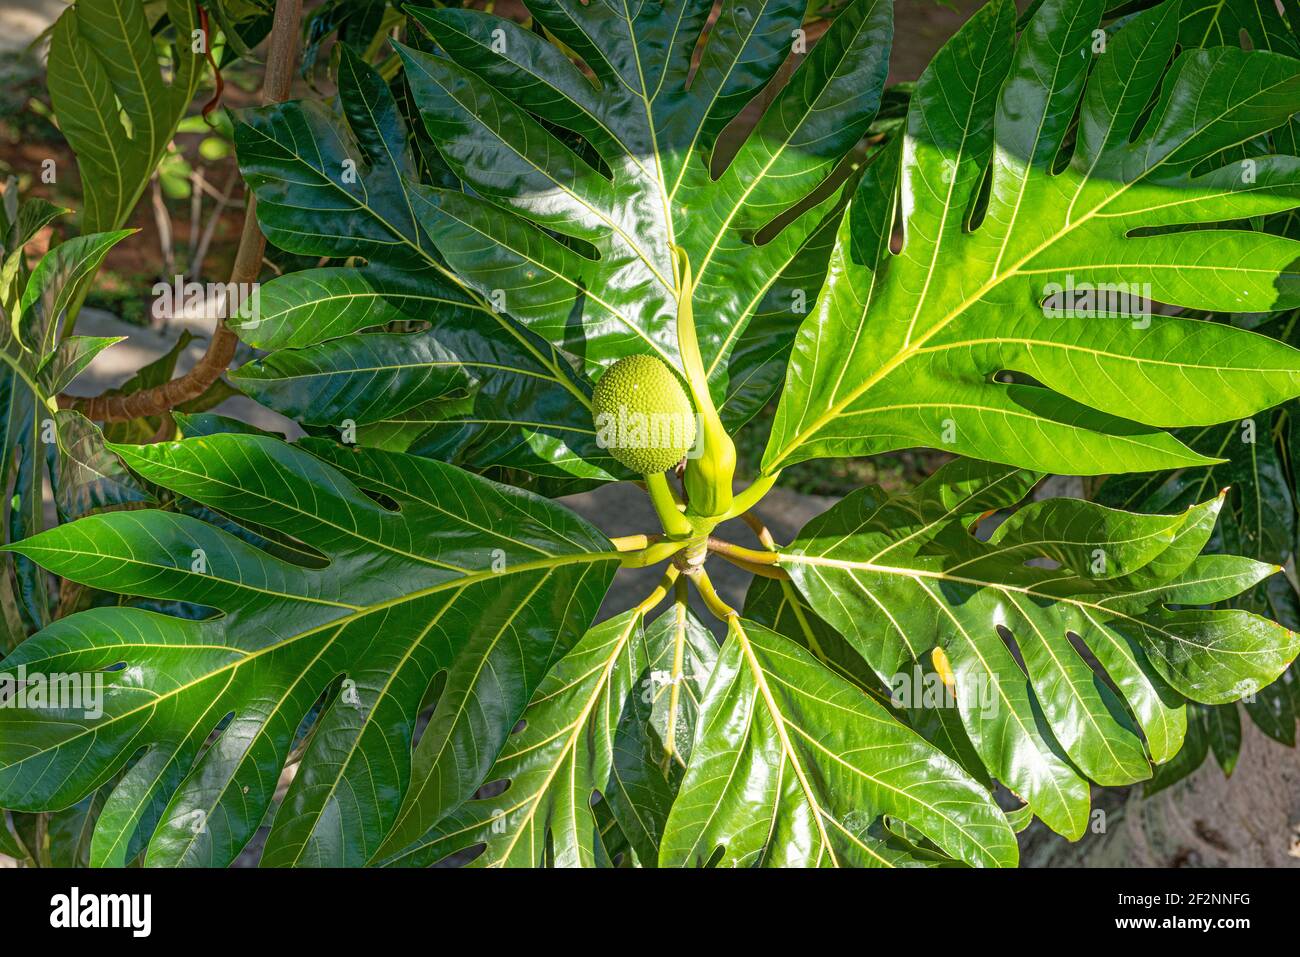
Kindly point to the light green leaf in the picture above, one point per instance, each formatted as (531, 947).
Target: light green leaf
(915, 347)
(793, 766)
(114, 107)
(899, 577)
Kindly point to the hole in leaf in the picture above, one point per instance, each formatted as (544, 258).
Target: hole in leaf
(1009, 640)
(428, 705)
(1081, 648)
(492, 789)
(462, 857)
(386, 502)
(1139, 126)
(978, 205)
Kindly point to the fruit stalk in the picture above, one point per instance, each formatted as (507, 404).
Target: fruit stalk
(673, 521)
(708, 476)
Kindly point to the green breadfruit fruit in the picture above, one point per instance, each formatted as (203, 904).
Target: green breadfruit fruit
(642, 415)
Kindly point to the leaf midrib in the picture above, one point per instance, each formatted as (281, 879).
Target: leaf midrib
(917, 574)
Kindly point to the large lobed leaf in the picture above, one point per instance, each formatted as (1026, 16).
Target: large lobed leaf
(1073, 634)
(639, 178)
(945, 342)
(547, 226)
(411, 569)
(1260, 520)
(399, 348)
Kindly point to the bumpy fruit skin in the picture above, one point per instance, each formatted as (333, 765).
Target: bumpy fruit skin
(642, 414)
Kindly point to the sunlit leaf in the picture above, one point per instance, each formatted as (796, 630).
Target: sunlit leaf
(1001, 202)
(899, 577)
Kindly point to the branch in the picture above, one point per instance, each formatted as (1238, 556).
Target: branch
(652, 554)
(760, 530)
(280, 59)
(752, 495)
(634, 543)
(661, 591)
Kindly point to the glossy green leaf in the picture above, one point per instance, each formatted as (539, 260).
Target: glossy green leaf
(901, 576)
(756, 365)
(619, 164)
(916, 697)
(620, 702)
(1195, 749)
(794, 766)
(1001, 210)
(428, 569)
(486, 397)
(401, 348)
(574, 232)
